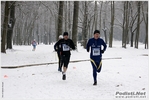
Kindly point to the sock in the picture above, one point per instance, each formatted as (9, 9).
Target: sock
(64, 73)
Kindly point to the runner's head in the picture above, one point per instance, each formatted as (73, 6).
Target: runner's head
(96, 34)
(65, 35)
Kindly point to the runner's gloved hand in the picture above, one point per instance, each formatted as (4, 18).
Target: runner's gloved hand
(87, 50)
(102, 51)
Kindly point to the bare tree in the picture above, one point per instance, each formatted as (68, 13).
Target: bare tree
(66, 13)
(69, 19)
(11, 24)
(84, 25)
(100, 15)
(60, 18)
(132, 22)
(95, 15)
(104, 23)
(145, 18)
(138, 25)
(125, 24)
(112, 24)
(75, 22)
(5, 27)
(132, 26)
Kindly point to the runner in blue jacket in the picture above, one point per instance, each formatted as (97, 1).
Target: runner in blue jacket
(96, 44)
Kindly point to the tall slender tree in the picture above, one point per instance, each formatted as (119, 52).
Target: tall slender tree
(100, 20)
(104, 23)
(75, 22)
(11, 24)
(145, 18)
(84, 25)
(132, 27)
(138, 25)
(66, 14)
(95, 15)
(5, 27)
(125, 24)
(60, 19)
(69, 19)
(112, 24)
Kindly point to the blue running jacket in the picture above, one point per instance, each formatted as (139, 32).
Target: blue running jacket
(96, 47)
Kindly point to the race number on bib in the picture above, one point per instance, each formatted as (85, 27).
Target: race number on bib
(65, 47)
(96, 52)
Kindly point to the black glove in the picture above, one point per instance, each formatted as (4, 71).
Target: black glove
(102, 51)
(87, 50)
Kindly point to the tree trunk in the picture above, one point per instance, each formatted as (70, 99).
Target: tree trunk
(146, 37)
(37, 32)
(50, 30)
(100, 15)
(5, 26)
(69, 21)
(132, 24)
(138, 26)
(66, 16)
(145, 18)
(132, 35)
(125, 24)
(75, 22)
(112, 24)
(95, 15)
(104, 25)
(123, 32)
(60, 19)
(84, 25)
(11, 25)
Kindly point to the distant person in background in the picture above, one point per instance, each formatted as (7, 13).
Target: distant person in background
(34, 44)
(57, 49)
(96, 44)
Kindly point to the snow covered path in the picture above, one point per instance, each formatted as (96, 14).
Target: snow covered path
(129, 74)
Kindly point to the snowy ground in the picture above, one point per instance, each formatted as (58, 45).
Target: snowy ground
(129, 74)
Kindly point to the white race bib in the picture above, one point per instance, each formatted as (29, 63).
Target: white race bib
(96, 51)
(65, 47)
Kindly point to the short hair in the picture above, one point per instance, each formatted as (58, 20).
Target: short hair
(65, 33)
(96, 31)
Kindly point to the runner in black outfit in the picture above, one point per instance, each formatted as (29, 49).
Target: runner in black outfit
(65, 45)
